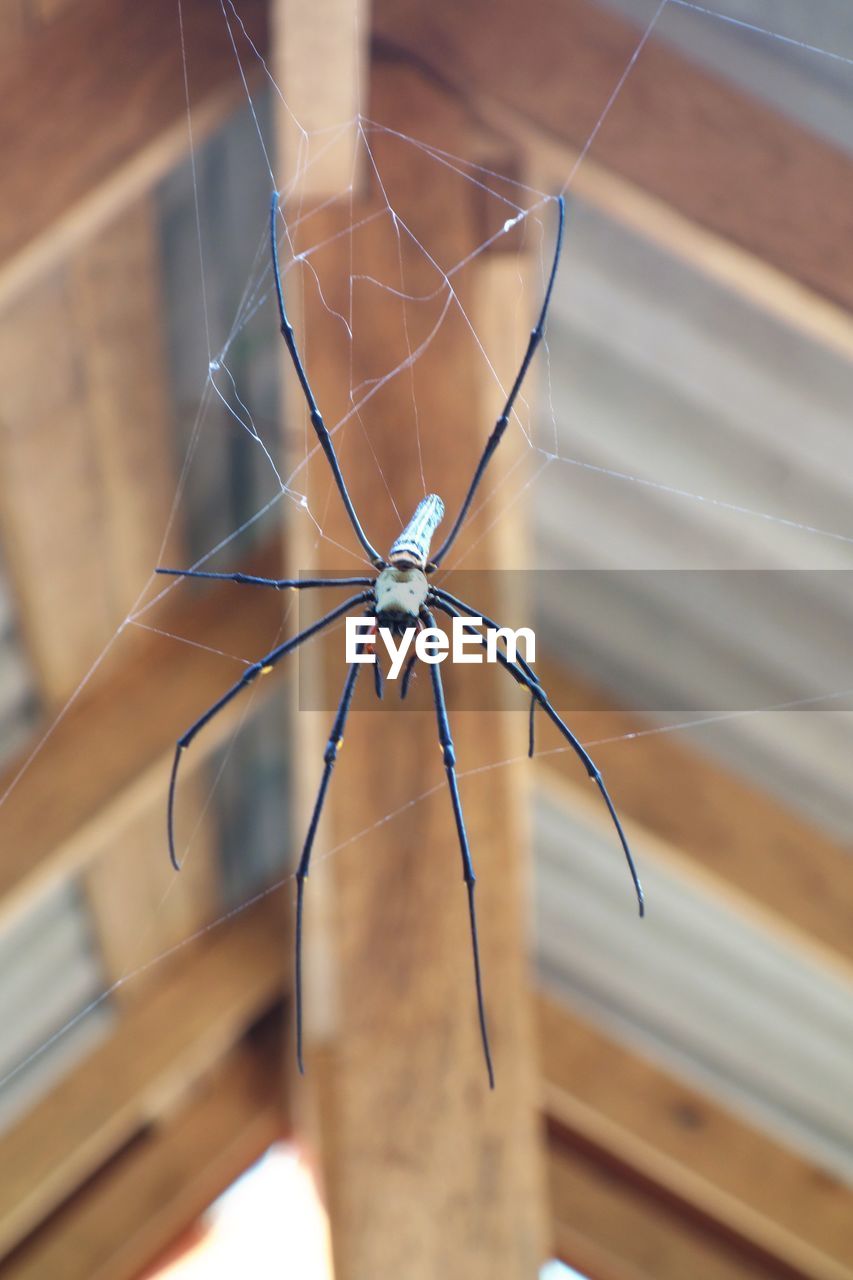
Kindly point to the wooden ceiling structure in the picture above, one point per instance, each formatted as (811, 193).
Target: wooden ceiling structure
(590, 1149)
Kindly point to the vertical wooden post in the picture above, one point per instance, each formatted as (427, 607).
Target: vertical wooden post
(428, 1173)
(320, 57)
(320, 54)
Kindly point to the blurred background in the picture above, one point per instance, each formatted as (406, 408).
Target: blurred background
(670, 510)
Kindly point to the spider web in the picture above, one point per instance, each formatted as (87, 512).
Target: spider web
(229, 400)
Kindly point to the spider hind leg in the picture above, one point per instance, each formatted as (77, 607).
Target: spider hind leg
(330, 755)
(538, 695)
(449, 755)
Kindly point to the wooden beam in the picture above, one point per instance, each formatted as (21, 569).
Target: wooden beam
(614, 1228)
(107, 760)
(139, 907)
(766, 286)
(44, 12)
(13, 24)
(117, 311)
(49, 491)
(120, 1221)
(786, 871)
(321, 53)
(86, 453)
(717, 156)
(413, 1134)
(99, 61)
(695, 1152)
(208, 995)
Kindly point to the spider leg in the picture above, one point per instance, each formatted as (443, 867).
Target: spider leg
(440, 594)
(408, 672)
(378, 684)
(463, 607)
(501, 424)
(336, 738)
(467, 867)
(251, 673)
(316, 417)
(541, 697)
(281, 584)
(409, 669)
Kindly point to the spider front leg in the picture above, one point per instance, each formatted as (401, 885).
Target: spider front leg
(503, 421)
(330, 755)
(449, 755)
(316, 417)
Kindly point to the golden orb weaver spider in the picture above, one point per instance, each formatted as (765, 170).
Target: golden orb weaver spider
(401, 594)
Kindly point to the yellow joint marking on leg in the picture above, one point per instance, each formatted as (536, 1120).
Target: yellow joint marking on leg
(339, 744)
(266, 670)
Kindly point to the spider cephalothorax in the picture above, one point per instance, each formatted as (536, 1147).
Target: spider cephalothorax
(398, 595)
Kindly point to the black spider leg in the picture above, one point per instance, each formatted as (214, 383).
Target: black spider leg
(336, 738)
(501, 424)
(440, 594)
(467, 867)
(378, 685)
(541, 697)
(251, 673)
(409, 670)
(316, 417)
(280, 584)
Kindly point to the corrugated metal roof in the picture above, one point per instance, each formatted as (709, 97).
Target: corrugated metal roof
(50, 976)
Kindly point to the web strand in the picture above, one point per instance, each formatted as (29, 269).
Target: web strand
(763, 31)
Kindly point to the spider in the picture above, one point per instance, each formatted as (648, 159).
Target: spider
(399, 595)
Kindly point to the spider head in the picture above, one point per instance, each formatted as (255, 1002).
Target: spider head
(411, 549)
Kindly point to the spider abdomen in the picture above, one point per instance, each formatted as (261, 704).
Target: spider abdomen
(401, 593)
(412, 546)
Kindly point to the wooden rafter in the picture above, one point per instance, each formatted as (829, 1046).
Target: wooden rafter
(609, 1109)
(778, 863)
(124, 1217)
(767, 285)
(86, 467)
(207, 997)
(72, 801)
(95, 112)
(709, 151)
